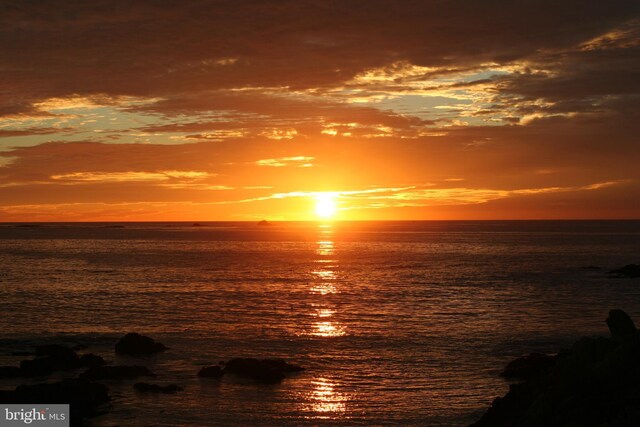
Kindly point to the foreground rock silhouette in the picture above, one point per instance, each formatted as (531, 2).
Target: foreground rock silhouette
(596, 383)
(49, 359)
(135, 344)
(526, 367)
(83, 396)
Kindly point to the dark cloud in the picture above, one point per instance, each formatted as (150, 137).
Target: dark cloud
(52, 48)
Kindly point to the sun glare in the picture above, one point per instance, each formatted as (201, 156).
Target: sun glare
(325, 205)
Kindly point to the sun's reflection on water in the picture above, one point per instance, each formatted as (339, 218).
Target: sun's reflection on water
(325, 400)
(325, 283)
(329, 329)
(325, 247)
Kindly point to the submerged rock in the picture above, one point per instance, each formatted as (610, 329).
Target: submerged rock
(88, 360)
(596, 383)
(211, 372)
(155, 388)
(630, 270)
(138, 345)
(265, 371)
(528, 366)
(116, 372)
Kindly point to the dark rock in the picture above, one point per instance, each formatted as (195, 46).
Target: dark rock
(116, 372)
(83, 396)
(53, 358)
(263, 223)
(596, 383)
(54, 350)
(90, 359)
(528, 366)
(265, 371)
(620, 324)
(10, 372)
(155, 388)
(60, 357)
(138, 345)
(37, 367)
(631, 271)
(281, 365)
(211, 372)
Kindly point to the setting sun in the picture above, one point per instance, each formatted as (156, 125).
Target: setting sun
(325, 205)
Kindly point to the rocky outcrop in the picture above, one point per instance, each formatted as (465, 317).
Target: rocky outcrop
(210, 372)
(88, 360)
(265, 371)
(529, 366)
(630, 271)
(84, 397)
(595, 383)
(620, 325)
(138, 345)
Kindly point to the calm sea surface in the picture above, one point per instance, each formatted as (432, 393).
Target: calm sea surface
(396, 322)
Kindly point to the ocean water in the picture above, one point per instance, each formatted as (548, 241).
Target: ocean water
(396, 322)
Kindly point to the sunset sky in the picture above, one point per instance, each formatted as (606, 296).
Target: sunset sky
(248, 110)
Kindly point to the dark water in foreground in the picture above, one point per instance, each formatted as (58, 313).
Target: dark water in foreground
(396, 322)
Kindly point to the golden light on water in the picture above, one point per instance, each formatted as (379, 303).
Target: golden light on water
(325, 283)
(325, 399)
(329, 329)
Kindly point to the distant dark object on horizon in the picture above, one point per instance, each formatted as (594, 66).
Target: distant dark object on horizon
(197, 224)
(138, 345)
(263, 223)
(596, 383)
(630, 271)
